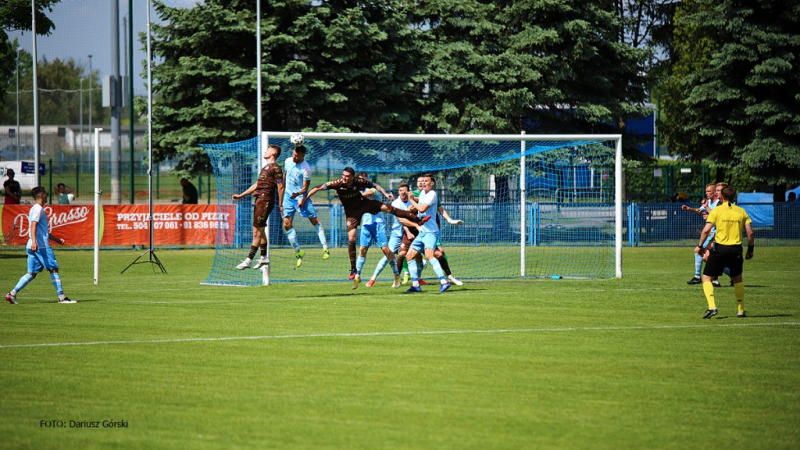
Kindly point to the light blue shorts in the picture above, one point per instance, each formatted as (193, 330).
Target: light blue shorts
(41, 259)
(375, 231)
(424, 241)
(394, 242)
(290, 207)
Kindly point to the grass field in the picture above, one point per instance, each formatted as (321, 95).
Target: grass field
(568, 364)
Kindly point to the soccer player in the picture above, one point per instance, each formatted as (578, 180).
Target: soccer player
(439, 252)
(373, 227)
(708, 204)
(726, 251)
(298, 179)
(428, 236)
(40, 254)
(349, 188)
(270, 177)
(399, 229)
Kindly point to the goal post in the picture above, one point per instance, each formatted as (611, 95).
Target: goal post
(532, 205)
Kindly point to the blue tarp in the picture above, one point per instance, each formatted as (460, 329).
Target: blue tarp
(761, 215)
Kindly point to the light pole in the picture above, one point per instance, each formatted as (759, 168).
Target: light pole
(90, 92)
(18, 50)
(81, 141)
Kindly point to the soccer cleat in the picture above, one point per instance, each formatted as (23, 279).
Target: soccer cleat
(326, 253)
(263, 261)
(695, 280)
(397, 282)
(414, 289)
(444, 287)
(715, 283)
(244, 264)
(352, 274)
(406, 278)
(742, 314)
(356, 280)
(422, 282)
(710, 313)
(11, 298)
(299, 255)
(67, 300)
(453, 280)
(422, 220)
(370, 283)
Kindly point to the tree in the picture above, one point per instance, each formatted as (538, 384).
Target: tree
(16, 15)
(738, 102)
(344, 65)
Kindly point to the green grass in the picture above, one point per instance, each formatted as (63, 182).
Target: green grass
(504, 364)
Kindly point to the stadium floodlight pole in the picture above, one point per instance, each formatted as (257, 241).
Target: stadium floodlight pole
(153, 259)
(618, 207)
(97, 193)
(35, 97)
(258, 68)
(522, 199)
(19, 49)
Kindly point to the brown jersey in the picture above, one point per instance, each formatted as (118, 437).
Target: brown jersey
(350, 196)
(268, 179)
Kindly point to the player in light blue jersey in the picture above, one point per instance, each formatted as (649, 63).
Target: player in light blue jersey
(708, 204)
(373, 227)
(40, 254)
(298, 180)
(428, 236)
(395, 236)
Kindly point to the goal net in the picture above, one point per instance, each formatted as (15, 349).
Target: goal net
(531, 206)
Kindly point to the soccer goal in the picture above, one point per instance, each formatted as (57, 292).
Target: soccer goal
(531, 205)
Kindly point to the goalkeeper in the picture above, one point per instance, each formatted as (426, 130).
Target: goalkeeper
(349, 188)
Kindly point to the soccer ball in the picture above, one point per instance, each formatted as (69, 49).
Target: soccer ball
(297, 139)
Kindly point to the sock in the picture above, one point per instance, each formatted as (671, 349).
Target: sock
(351, 250)
(445, 266)
(292, 236)
(419, 266)
(438, 269)
(412, 267)
(738, 292)
(27, 278)
(360, 263)
(57, 284)
(263, 249)
(252, 254)
(404, 214)
(321, 234)
(708, 289)
(405, 263)
(381, 265)
(698, 264)
(393, 265)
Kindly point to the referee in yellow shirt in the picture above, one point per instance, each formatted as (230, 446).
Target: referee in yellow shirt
(726, 251)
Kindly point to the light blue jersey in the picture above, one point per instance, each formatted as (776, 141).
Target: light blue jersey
(39, 215)
(296, 174)
(397, 227)
(373, 227)
(429, 198)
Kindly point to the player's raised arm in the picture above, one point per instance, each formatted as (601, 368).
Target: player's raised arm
(382, 191)
(446, 216)
(311, 193)
(249, 191)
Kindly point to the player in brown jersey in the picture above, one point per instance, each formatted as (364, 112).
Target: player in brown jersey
(349, 188)
(270, 178)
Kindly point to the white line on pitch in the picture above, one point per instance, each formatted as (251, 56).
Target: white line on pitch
(397, 333)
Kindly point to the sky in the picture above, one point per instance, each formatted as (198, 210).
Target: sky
(84, 27)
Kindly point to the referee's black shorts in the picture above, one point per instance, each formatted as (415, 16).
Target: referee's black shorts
(722, 256)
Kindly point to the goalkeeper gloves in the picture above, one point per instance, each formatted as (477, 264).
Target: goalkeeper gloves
(455, 222)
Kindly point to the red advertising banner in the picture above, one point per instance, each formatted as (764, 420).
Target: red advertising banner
(75, 224)
(121, 224)
(172, 224)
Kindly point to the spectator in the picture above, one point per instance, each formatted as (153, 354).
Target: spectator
(64, 193)
(12, 189)
(189, 192)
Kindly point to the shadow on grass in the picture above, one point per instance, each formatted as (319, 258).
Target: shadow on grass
(753, 316)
